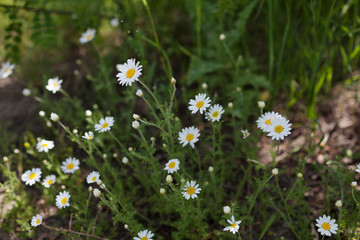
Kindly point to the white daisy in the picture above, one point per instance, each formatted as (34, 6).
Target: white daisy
(144, 235)
(49, 180)
(266, 119)
(62, 199)
(214, 113)
(31, 176)
(54, 84)
(6, 69)
(114, 22)
(93, 177)
(36, 220)
(45, 145)
(279, 128)
(234, 227)
(88, 35)
(88, 135)
(129, 72)
(201, 103)
(326, 225)
(189, 135)
(172, 165)
(104, 125)
(245, 133)
(191, 190)
(70, 165)
(358, 168)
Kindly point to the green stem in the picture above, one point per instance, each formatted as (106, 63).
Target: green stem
(198, 27)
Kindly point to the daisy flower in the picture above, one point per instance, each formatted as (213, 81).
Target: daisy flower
(189, 135)
(62, 199)
(234, 227)
(104, 125)
(326, 225)
(54, 84)
(70, 165)
(88, 135)
(144, 235)
(129, 72)
(6, 69)
(36, 220)
(31, 176)
(214, 113)
(266, 119)
(245, 133)
(358, 168)
(191, 190)
(279, 128)
(172, 165)
(201, 103)
(45, 145)
(88, 35)
(93, 177)
(49, 180)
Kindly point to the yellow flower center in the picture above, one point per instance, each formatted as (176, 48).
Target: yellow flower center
(144, 238)
(6, 70)
(200, 104)
(64, 200)
(215, 114)
(50, 182)
(93, 179)
(90, 136)
(44, 145)
(130, 73)
(278, 129)
(189, 137)
(325, 226)
(88, 36)
(55, 84)
(105, 125)
(190, 190)
(172, 165)
(70, 166)
(233, 225)
(32, 175)
(268, 121)
(38, 221)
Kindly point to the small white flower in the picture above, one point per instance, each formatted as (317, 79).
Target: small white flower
(70, 165)
(275, 171)
(139, 93)
(54, 84)
(266, 119)
(88, 35)
(261, 104)
(279, 128)
(201, 103)
(104, 125)
(191, 190)
(172, 165)
(114, 22)
(97, 193)
(129, 72)
(26, 92)
(326, 225)
(214, 113)
(36, 220)
(136, 125)
(44, 145)
(245, 133)
(358, 168)
(93, 177)
(54, 117)
(88, 135)
(62, 199)
(234, 225)
(144, 235)
(6, 69)
(49, 180)
(226, 209)
(31, 176)
(189, 135)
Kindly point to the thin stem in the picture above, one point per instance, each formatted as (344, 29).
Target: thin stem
(198, 27)
(118, 141)
(149, 91)
(71, 231)
(198, 158)
(151, 124)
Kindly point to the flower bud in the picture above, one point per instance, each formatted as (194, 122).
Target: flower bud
(102, 186)
(99, 182)
(299, 175)
(162, 191)
(16, 151)
(204, 86)
(139, 93)
(104, 155)
(230, 105)
(222, 37)
(261, 104)
(126, 226)
(164, 145)
(152, 139)
(136, 125)
(42, 114)
(63, 187)
(48, 124)
(54, 117)
(130, 149)
(338, 204)
(173, 81)
(114, 155)
(211, 169)
(90, 189)
(95, 106)
(6, 159)
(354, 184)
(136, 117)
(227, 209)
(75, 131)
(275, 171)
(97, 192)
(88, 113)
(182, 180)
(26, 92)
(125, 160)
(169, 179)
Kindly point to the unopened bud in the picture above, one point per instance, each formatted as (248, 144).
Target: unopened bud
(114, 155)
(354, 184)
(222, 37)
(173, 81)
(227, 209)
(299, 175)
(104, 155)
(75, 131)
(63, 187)
(211, 169)
(261, 104)
(90, 189)
(338, 203)
(169, 179)
(54, 117)
(275, 171)
(182, 180)
(139, 93)
(42, 114)
(26, 92)
(130, 149)
(162, 191)
(152, 139)
(126, 226)
(99, 182)
(88, 113)
(16, 151)
(6, 159)
(230, 105)
(136, 117)
(164, 145)
(136, 125)
(97, 192)
(125, 160)
(204, 86)
(48, 124)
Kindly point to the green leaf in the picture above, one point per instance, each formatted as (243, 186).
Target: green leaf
(200, 67)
